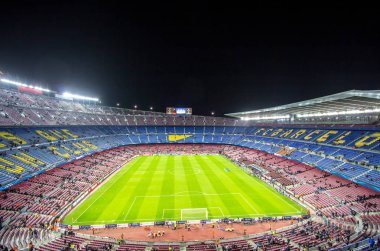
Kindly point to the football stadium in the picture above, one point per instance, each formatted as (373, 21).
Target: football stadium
(180, 128)
(92, 176)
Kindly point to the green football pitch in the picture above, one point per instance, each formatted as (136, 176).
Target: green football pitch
(175, 187)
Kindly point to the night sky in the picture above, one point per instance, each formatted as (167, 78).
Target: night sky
(209, 57)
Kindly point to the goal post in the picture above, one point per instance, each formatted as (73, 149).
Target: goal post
(194, 214)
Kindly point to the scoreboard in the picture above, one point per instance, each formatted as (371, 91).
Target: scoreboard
(179, 111)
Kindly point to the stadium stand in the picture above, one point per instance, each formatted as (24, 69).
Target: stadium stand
(54, 151)
(40, 148)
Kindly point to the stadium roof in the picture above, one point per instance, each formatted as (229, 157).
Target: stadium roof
(343, 103)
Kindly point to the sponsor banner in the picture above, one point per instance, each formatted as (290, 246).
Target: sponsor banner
(205, 221)
(286, 217)
(194, 221)
(247, 220)
(159, 223)
(225, 220)
(181, 222)
(63, 225)
(134, 224)
(266, 218)
(111, 225)
(178, 137)
(85, 227)
(146, 224)
(123, 225)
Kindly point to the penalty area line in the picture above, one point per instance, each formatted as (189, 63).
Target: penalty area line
(130, 207)
(249, 204)
(105, 182)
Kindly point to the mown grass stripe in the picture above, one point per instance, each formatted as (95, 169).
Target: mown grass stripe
(168, 187)
(259, 200)
(149, 206)
(177, 182)
(121, 191)
(214, 201)
(141, 189)
(241, 181)
(181, 186)
(99, 200)
(229, 202)
(193, 183)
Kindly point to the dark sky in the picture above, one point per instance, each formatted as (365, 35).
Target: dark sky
(206, 56)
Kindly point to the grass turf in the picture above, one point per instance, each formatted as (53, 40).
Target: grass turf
(156, 188)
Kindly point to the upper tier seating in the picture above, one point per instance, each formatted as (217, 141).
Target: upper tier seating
(19, 108)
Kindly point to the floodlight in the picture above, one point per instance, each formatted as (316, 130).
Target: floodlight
(75, 96)
(267, 117)
(349, 112)
(8, 81)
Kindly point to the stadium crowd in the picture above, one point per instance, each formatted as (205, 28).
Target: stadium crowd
(331, 176)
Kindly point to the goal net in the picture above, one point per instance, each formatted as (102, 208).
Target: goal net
(194, 214)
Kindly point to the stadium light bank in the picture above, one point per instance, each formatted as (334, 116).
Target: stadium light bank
(267, 117)
(7, 81)
(349, 112)
(319, 114)
(75, 96)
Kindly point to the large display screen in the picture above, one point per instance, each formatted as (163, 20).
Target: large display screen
(179, 110)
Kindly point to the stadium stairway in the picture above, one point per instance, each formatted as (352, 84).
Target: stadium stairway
(360, 220)
(251, 243)
(22, 236)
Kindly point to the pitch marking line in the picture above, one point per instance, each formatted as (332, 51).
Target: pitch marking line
(221, 211)
(184, 194)
(174, 209)
(275, 193)
(174, 218)
(130, 207)
(190, 192)
(249, 204)
(101, 195)
(181, 195)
